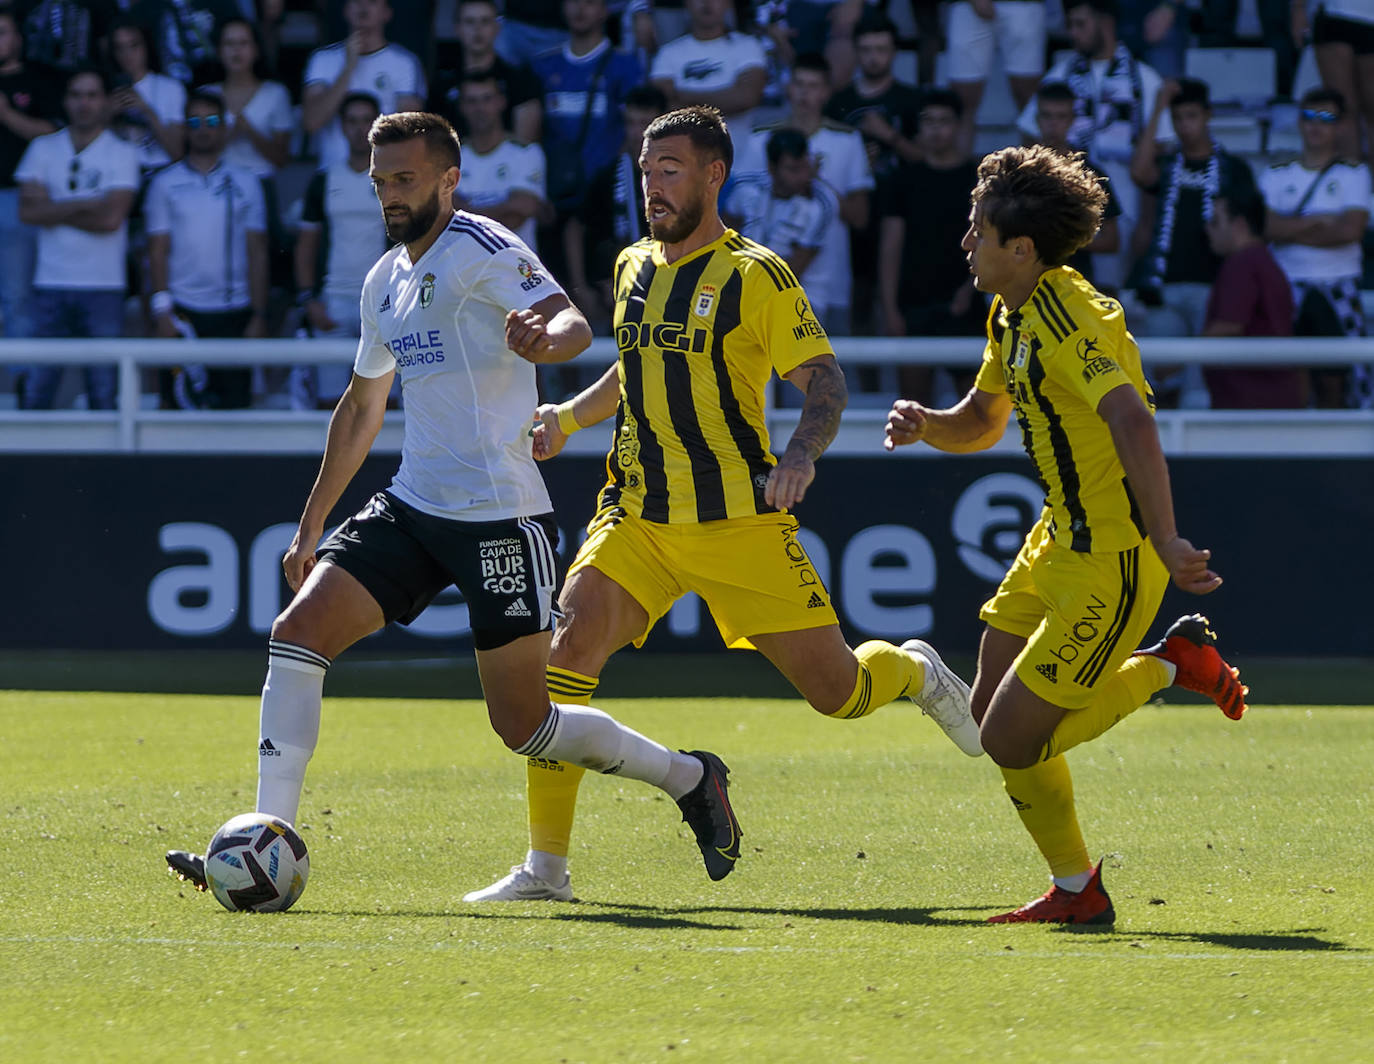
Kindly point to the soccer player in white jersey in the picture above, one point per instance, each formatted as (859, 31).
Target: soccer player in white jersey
(462, 310)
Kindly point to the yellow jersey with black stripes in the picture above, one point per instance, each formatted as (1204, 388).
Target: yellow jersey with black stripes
(699, 339)
(1057, 356)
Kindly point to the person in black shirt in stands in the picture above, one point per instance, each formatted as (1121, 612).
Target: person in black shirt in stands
(478, 28)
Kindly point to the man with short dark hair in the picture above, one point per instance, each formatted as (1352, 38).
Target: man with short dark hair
(1318, 212)
(477, 26)
(712, 66)
(1250, 297)
(341, 230)
(695, 499)
(207, 257)
(462, 310)
(1054, 664)
(502, 179)
(77, 186)
(29, 103)
(364, 61)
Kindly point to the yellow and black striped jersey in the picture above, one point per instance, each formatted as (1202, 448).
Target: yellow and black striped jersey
(1056, 357)
(699, 340)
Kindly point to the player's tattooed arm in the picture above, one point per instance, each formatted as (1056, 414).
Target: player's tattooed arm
(822, 380)
(826, 395)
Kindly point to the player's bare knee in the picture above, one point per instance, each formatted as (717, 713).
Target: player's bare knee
(1008, 751)
(516, 725)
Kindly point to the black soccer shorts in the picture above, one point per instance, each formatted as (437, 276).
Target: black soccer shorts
(405, 557)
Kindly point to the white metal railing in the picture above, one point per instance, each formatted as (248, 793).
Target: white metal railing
(130, 427)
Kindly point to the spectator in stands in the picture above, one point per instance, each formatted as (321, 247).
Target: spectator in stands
(477, 27)
(30, 102)
(842, 163)
(258, 111)
(1054, 115)
(1318, 211)
(1114, 96)
(207, 257)
(146, 107)
(714, 66)
(412, 28)
(77, 185)
(1180, 265)
(1343, 42)
(584, 84)
(631, 27)
(790, 211)
(529, 28)
(502, 179)
(185, 33)
(1157, 32)
(63, 34)
(1251, 297)
(887, 113)
(613, 215)
(825, 27)
(342, 231)
(1011, 32)
(923, 278)
(363, 62)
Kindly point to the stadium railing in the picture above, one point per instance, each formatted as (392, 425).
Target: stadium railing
(132, 427)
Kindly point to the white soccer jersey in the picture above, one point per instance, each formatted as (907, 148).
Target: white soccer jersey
(1342, 187)
(787, 224)
(469, 400)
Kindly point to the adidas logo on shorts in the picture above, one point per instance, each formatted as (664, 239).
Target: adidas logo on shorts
(1048, 671)
(518, 609)
(815, 601)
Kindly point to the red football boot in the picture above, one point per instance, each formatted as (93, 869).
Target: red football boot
(1191, 645)
(1059, 906)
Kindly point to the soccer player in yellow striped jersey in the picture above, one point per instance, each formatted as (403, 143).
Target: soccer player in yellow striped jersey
(1055, 666)
(695, 499)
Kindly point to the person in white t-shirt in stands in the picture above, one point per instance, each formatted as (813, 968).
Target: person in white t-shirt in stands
(258, 111)
(462, 312)
(1114, 96)
(146, 107)
(713, 66)
(363, 62)
(502, 178)
(1010, 31)
(789, 210)
(340, 230)
(1318, 211)
(77, 186)
(207, 257)
(842, 163)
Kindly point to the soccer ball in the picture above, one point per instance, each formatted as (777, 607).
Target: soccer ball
(256, 863)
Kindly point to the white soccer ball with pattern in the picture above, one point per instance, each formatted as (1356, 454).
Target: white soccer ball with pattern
(257, 863)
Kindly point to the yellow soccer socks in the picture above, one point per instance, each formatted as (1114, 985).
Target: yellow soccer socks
(885, 672)
(1125, 691)
(552, 785)
(1043, 796)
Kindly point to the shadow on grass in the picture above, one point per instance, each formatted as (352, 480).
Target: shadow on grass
(1300, 940)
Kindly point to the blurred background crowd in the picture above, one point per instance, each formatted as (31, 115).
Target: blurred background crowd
(198, 168)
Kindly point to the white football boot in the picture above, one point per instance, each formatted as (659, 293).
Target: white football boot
(944, 698)
(523, 885)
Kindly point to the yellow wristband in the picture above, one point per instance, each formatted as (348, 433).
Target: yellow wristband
(567, 423)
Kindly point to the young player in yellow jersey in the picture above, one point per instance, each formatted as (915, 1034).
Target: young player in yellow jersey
(1055, 666)
(696, 501)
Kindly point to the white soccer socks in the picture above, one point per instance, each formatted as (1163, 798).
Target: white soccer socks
(290, 725)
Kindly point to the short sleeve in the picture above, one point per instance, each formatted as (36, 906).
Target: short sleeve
(125, 172)
(279, 116)
(785, 325)
(157, 211)
(416, 80)
(257, 202)
(1356, 189)
(320, 68)
(858, 176)
(662, 67)
(825, 207)
(373, 358)
(1234, 292)
(530, 173)
(1088, 363)
(990, 377)
(32, 164)
(312, 209)
(515, 279)
(749, 53)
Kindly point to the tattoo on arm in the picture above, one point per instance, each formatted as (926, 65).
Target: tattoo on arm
(826, 397)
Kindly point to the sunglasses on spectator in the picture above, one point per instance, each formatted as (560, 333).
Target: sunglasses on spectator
(1320, 116)
(209, 121)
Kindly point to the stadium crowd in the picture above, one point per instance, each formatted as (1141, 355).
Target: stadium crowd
(200, 167)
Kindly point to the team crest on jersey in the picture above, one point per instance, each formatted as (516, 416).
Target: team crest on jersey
(706, 299)
(532, 277)
(426, 291)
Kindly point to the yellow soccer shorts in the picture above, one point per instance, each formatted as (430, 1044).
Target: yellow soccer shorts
(1081, 614)
(751, 571)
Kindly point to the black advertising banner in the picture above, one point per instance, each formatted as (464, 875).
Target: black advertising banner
(162, 552)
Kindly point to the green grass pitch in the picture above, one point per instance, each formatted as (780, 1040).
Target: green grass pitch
(1239, 857)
